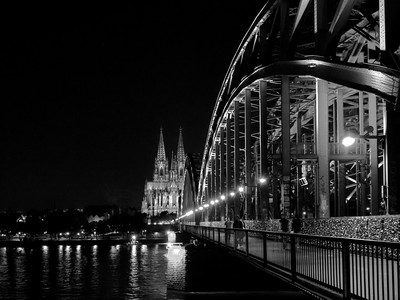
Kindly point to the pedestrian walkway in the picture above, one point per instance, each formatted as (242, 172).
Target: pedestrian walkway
(335, 267)
(232, 295)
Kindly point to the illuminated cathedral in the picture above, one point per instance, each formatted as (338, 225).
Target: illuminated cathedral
(164, 193)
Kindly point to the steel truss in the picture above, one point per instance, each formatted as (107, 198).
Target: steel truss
(305, 75)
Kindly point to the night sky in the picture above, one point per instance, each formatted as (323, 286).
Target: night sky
(85, 90)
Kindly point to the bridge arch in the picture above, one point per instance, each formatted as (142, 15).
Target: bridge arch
(305, 74)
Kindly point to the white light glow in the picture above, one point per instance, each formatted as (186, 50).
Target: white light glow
(348, 141)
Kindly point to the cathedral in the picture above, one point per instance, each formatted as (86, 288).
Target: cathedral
(164, 193)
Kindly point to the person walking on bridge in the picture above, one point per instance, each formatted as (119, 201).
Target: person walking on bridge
(228, 231)
(238, 223)
(296, 228)
(284, 228)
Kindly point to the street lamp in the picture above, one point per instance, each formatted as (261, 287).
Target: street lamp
(349, 140)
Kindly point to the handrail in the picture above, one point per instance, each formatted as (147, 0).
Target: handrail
(336, 267)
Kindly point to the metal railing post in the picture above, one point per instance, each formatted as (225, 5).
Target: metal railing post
(247, 243)
(265, 249)
(346, 268)
(293, 257)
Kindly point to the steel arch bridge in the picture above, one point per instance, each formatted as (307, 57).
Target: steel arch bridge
(305, 75)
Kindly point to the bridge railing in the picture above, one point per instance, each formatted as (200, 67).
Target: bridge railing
(337, 267)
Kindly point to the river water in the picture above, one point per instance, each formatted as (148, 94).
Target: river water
(120, 272)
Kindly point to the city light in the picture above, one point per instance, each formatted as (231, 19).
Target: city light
(222, 198)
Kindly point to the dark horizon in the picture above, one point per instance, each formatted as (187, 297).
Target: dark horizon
(86, 90)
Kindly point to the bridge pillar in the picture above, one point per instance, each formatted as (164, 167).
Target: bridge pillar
(247, 135)
(230, 203)
(217, 179)
(322, 139)
(340, 169)
(222, 206)
(373, 150)
(299, 200)
(208, 192)
(212, 188)
(361, 193)
(236, 156)
(285, 127)
(264, 195)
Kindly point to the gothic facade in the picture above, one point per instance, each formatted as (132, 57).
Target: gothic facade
(164, 193)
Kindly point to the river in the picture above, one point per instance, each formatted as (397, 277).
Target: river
(141, 271)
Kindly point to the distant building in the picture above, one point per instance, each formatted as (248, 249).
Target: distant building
(164, 193)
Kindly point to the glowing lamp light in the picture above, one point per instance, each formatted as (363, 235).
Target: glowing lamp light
(262, 180)
(232, 194)
(222, 197)
(212, 202)
(216, 201)
(241, 189)
(348, 141)
(201, 207)
(206, 205)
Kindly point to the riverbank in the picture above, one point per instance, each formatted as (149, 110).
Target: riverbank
(178, 238)
(35, 243)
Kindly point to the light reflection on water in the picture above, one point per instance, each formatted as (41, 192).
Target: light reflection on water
(89, 272)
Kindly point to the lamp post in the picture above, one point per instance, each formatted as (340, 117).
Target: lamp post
(350, 140)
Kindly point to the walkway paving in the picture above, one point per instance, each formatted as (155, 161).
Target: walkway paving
(283, 295)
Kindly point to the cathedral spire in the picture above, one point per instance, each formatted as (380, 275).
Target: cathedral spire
(161, 148)
(181, 151)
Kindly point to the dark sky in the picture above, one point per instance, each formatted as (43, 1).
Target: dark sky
(85, 90)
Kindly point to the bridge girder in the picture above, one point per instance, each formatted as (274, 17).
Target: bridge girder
(302, 42)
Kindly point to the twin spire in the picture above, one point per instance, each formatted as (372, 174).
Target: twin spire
(161, 147)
